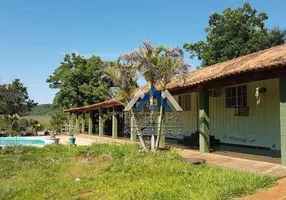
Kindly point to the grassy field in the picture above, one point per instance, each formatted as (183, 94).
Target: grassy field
(103, 171)
(43, 119)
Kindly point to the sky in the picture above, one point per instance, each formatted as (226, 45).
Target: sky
(35, 35)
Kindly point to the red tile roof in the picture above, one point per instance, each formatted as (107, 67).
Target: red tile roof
(262, 60)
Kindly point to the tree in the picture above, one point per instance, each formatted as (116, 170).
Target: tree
(78, 81)
(15, 99)
(122, 76)
(58, 120)
(235, 33)
(15, 125)
(158, 65)
(42, 109)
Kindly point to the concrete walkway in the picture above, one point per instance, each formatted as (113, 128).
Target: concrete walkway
(89, 139)
(237, 163)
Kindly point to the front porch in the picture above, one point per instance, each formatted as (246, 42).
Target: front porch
(206, 124)
(236, 151)
(239, 104)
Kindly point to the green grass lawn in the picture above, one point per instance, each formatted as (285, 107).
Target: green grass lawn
(103, 171)
(43, 119)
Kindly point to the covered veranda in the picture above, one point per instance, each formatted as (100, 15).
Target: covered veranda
(263, 65)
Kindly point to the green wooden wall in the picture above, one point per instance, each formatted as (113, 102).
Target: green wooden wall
(260, 128)
(177, 124)
(187, 122)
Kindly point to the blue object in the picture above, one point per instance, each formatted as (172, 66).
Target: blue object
(30, 141)
(153, 92)
(153, 107)
(72, 140)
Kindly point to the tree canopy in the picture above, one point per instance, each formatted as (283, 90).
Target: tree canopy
(78, 81)
(157, 64)
(14, 99)
(234, 33)
(42, 109)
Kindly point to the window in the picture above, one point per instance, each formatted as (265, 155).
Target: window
(185, 102)
(236, 97)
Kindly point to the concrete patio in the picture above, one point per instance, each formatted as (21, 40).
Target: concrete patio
(237, 163)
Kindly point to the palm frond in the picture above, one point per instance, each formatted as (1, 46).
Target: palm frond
(158, 64)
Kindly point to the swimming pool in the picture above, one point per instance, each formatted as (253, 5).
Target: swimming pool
(30, 141)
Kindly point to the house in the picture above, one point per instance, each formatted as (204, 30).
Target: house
(238, 102)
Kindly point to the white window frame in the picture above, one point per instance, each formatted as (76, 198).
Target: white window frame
(240, 100)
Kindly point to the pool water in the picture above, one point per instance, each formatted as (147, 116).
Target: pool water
(32, 141)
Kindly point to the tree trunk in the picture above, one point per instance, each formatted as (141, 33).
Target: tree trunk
(138, 131)
(160, 124)
(152, 122)
(160, 121)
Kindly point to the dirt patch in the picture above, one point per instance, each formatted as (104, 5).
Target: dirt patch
(82, 167)
(195, 161)
(92, 159)
(83, 192)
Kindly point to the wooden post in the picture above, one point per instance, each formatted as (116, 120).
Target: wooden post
(204, 122)
(90, 122)
(82, 123)
(100, 122)
(114, 123)
(77, 124)
(71, 123)
(282, 105)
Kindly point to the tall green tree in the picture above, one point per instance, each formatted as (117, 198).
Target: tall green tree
(234, 33)
(58, 120)
(123, 77)
(158, 64)
(42, 109)
(78, 81)
(14, 99)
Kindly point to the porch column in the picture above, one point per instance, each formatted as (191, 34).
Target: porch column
(100, 122)
(282, 91)
(71, 123)
(114, 123)
(77, 124)
(90, 122)
(204, 122)
(132, 130)
(82, 123)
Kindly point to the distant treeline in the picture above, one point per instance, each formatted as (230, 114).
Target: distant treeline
(42, 109)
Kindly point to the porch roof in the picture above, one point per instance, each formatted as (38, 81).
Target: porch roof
(264, 60)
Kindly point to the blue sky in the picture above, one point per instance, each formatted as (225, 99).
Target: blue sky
(35, 35)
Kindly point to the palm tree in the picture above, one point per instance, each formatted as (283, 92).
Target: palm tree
(158, 65)
(35, 126)
(122, 76)
(15, 122)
